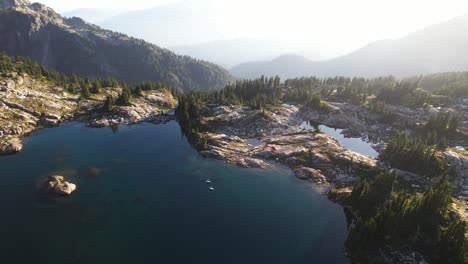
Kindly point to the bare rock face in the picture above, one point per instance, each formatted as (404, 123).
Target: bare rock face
(59, 186)
(253, 163)
(13, 3)
(459, 167)
(10, 146)
(305, 173)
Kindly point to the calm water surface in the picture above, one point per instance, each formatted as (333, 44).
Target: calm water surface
(354, 144)
(143, 198)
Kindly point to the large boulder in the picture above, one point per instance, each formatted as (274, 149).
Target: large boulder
(64, 188)
(58, 185)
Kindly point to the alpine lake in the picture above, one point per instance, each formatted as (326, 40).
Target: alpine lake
(146, 196)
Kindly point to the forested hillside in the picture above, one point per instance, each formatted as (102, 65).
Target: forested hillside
(73, 46)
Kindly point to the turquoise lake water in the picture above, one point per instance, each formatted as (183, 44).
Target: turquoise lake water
(143, 198)
(354, 144)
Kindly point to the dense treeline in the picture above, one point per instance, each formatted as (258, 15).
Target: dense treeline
(405, 221)
(368, 194)
(257, 94)
(411, 92)
(404, 93)
(77, 85)
(414, 155)
(443, 123)
(188, 112)
(452, 84)
(357, 90)
(380, 107)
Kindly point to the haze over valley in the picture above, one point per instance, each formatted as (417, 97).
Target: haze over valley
(251, 46)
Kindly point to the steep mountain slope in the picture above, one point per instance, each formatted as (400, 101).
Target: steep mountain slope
(76, 47)
(438, 48)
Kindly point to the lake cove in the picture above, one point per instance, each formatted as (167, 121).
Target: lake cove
(145, 195)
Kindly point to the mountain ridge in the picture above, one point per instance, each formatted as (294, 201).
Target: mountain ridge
(74, 46)
(437, 48)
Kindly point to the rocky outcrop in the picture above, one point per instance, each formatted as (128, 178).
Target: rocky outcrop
(253, 163)
(313, 155)
(319, 180)
(459, 168)
(58, 185)
(358, 121)
(247, 123)
(144, 108)
(28, 104)
(305, 173)
(10, 146)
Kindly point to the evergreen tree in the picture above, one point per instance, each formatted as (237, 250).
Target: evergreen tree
(85, 94)
(96, 87)
(125, 97)
(109, 104)
(453, 245)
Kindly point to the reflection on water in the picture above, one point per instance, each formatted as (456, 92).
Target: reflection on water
(354, 144)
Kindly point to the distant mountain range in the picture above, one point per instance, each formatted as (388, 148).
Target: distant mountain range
(438, 48)
(169, 25)
(200, 29)
(231, 52)
(73, 46)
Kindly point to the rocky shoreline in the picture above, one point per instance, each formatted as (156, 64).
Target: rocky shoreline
(254, 138)
(28, 104)
(238, 135)
(313, 156)
(241, 136)
(274, 135)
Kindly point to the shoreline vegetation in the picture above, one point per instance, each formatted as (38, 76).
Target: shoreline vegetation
(33, 97)
(406, 189)
(407, 205)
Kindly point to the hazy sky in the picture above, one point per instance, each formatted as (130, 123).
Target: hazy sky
(330, 26)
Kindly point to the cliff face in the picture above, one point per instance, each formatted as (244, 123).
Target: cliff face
(73, 46)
